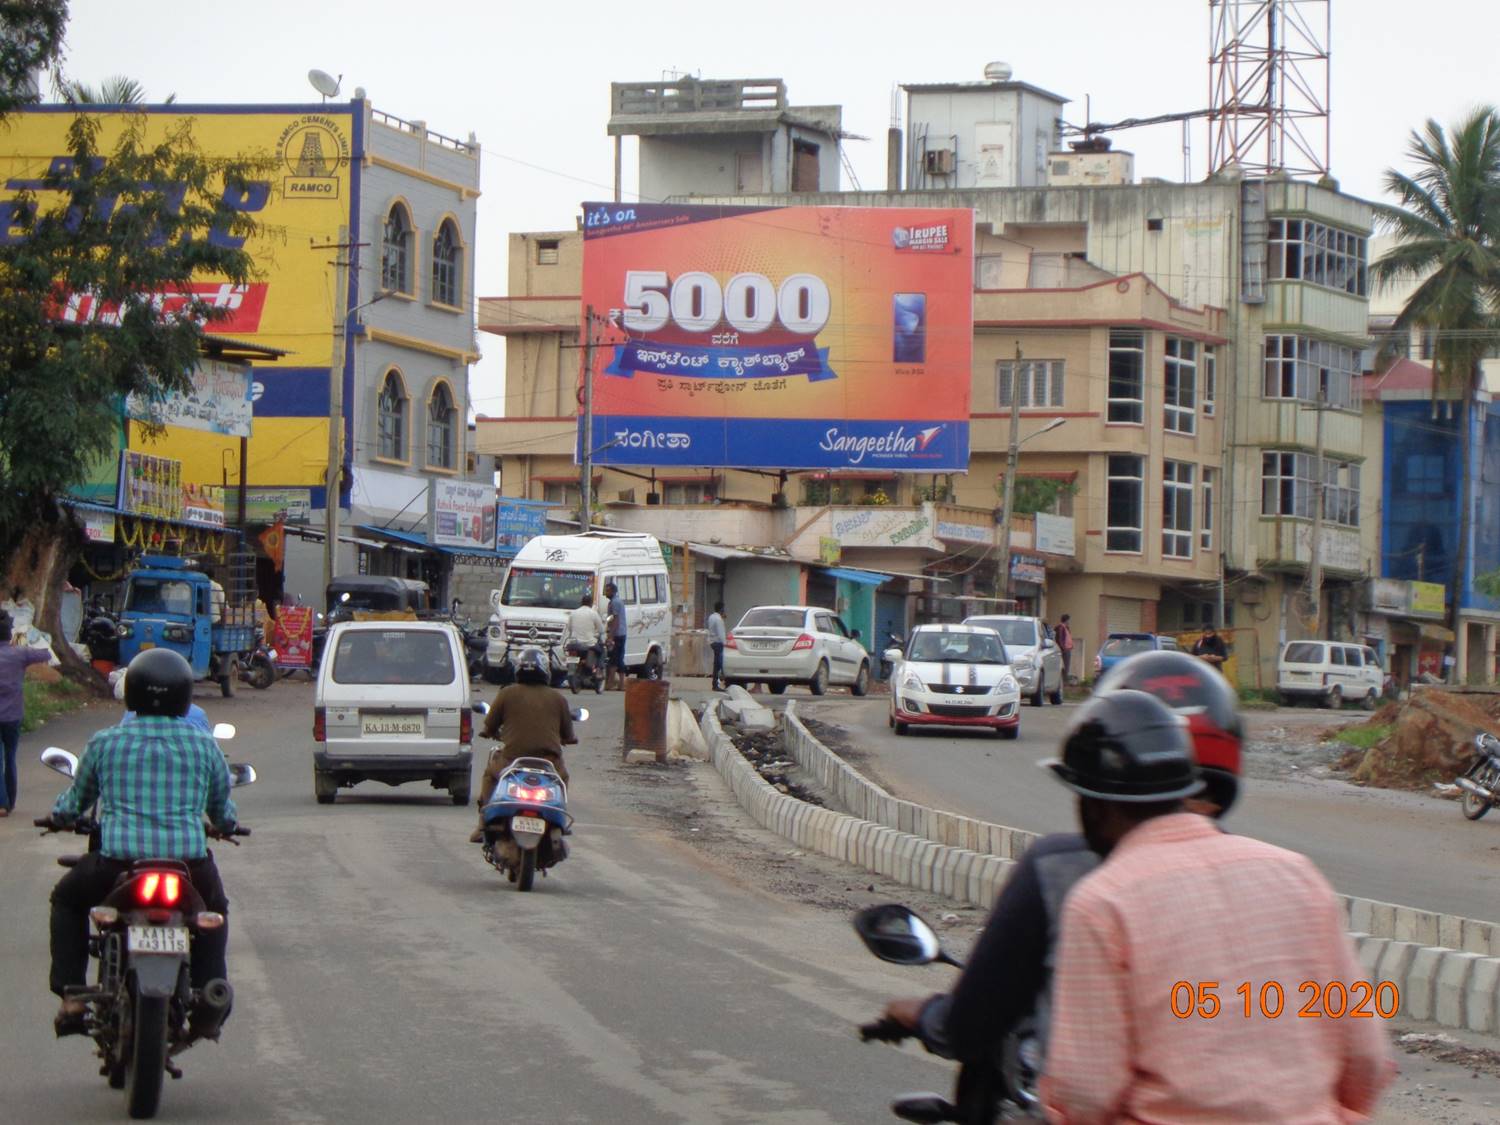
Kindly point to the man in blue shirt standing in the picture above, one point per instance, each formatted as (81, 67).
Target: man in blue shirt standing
(14, 660)
(614, 679)
(154, 779)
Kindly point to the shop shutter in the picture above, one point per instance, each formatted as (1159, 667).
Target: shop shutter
(1122, 615)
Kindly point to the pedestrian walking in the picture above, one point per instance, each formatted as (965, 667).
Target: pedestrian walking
(619, 630)
(1064, 634)
(14, 660)
(717, 636)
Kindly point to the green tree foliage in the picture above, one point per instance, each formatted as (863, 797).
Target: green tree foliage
(31, 39)
(1447, 230)
(117, 89)
(124, 227)
(1036, 494)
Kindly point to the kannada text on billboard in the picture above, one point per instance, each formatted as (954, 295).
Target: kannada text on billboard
(788, 338)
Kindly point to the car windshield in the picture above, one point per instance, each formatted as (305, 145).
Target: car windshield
(1020, 632)
(962, 648)
(546, 589)
(1126, 646)
(773, 618)
(1303, 653)
(393, 656)
(159, 595)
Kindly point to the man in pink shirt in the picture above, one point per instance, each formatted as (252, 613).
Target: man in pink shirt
(1185, 959)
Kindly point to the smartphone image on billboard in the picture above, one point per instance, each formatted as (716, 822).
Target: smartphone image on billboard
(909, 332)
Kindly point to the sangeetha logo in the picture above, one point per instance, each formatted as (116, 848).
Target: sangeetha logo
(894, 443)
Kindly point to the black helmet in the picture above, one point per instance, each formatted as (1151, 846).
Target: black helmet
(1204, 698)
(531, 668)
(159, 682)
(1127, 746)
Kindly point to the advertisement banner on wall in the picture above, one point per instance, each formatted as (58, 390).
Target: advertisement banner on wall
(150, 486)
(219, 401)
(830, 550)
(293, 636)
(787, 338)
(1428, 599)
(98, 527)
(517, 522)
(306, 191)
(461, 514)
(1054, 534)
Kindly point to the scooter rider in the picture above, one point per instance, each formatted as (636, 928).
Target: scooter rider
(1009, 971)
(154, 779)
(532, 720)
(586, 631)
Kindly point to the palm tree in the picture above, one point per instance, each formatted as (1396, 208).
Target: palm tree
(1447, 232)
(118, 89)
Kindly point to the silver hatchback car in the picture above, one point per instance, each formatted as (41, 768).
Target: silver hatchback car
(778, 645)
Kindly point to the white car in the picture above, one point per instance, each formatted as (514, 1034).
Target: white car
(1034, 656)
(778, 645)
(954, 675)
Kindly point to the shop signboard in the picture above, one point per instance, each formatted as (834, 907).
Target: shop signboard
(878, 526)
(965, 532)
(1054, 534)
(781, 338)
(461, 514)
(517, 522)
(150, 486)
(218, 402)
(1428, 599)
(203, 503)
(830, 550)
(267, 505)
(1028, 568)
(98, 527)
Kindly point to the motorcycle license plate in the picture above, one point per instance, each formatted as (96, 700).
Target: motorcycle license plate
(158, 939)
(528, 824)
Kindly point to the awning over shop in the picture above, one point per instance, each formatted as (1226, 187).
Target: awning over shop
(863, 577)
(1439, 633)
(714, 551)
(420, 540)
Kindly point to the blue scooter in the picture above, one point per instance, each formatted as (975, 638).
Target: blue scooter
(527, 817)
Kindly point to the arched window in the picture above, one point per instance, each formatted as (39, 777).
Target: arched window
(447, 288)
(440, 425)
(392, 413)
(395, 251)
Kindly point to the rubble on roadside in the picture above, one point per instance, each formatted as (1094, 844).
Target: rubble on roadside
(1431, 739)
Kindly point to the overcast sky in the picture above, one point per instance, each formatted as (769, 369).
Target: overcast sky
(531, 79)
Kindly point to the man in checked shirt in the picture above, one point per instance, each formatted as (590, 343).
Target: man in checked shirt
(1178, 918)
(154, 778)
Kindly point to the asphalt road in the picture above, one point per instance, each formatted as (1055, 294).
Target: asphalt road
(681, 966)
(385, 973)
(1405, 848)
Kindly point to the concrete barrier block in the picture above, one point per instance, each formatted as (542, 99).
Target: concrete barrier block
(1452, 985)
(1383, 921)
(1482, 997)
(1420, 926)
(1480, 937)
(1358, 915)
(1419, 993)
(1369, 950)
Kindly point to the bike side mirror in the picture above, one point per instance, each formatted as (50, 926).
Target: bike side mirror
(241, 773)
(63, 761)
(891, 655)
(581, 715)
(898, 934)
(224, 730)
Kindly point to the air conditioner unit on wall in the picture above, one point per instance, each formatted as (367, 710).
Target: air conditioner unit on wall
(939, 161)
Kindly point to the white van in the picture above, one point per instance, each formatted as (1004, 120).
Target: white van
(1331, 672)
(547, 580)
(392, 705)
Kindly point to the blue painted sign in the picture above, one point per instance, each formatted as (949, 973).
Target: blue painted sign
(517, 522)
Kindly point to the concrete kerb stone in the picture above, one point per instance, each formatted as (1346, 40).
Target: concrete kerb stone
(1451, 987)
(1419, 993)
(1482, 997)
(1369, 951)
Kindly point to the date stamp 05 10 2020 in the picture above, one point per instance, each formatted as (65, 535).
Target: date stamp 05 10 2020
(1320, 1000)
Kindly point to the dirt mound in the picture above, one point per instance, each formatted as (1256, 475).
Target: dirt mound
(1433, 739)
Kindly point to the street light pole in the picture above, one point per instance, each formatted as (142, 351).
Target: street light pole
(1012, 456)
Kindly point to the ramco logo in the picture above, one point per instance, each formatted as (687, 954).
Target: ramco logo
(893, 443)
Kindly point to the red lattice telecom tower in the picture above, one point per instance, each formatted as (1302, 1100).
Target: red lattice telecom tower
(1269, 86)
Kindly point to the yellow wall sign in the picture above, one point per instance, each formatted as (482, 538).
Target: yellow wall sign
(1428, 599)
(830, 550)
(303, 201)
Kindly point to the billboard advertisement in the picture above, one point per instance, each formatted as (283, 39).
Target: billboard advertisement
(219, 402)
(780, 338)
(461, 514)
(150, 486)
(302, 202)
(517, 522)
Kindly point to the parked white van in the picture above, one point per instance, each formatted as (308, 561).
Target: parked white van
(1331, 672)
(392, 705)
(548, 578)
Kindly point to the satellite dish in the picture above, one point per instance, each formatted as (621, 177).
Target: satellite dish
(324, 83)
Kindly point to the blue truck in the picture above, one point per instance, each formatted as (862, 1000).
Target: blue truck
(170, 603)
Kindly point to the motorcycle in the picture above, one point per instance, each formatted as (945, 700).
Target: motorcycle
(260, 670)
(891, 641)
(588, 668)
(557, 664)
(1481, 782)
(1003, 1088)
(142, 1009)
(100, 632)
(527, 818)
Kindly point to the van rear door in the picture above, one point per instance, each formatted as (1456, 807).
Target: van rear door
(394, 692)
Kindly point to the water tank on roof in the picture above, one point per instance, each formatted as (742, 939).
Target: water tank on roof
(998, 72)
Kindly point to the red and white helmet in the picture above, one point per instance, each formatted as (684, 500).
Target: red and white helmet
(1201, 696)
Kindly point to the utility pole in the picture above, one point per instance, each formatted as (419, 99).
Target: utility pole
(1012, 456)
(1315, 563)
(586, 432)
(332, 481)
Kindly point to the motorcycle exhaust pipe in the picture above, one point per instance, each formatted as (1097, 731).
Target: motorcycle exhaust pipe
(215, 999)
(1475, 788)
